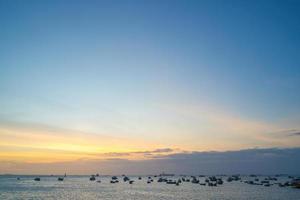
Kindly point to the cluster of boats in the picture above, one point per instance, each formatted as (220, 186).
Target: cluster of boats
(269, 181)
(209, 180)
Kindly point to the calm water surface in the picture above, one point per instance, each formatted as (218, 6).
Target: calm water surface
(80, 187)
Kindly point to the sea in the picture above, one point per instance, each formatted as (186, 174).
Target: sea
(81, 188)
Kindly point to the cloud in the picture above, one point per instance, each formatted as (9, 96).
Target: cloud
(162, 150)
(38, 142)
(286, 132)
(295, 133)
(141, 154)
(116, 154)
(248, 161)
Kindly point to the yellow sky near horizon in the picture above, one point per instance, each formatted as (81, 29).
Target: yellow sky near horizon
(37, 143)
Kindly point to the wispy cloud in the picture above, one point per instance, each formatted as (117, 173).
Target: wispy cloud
(141, 154)
(286, 132)
(295, 134)
(237, 131)
(40, 142)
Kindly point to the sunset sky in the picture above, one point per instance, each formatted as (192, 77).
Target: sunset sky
(145, 81)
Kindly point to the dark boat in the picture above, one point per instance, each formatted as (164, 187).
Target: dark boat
(60, 179)
(295, 183)
(125, 179)
(171, 182)
(219, 181)
(195, 181)
(92, 178)
(37, 179)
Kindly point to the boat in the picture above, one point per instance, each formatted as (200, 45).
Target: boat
(195, 181)
(125, 179)
(164, 174)
(92, 178)
(297, 186)
(37, 179)
(60, 179)
(295, 183)
(219, 181)
(171, 182)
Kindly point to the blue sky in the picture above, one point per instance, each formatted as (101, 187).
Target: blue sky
(180, 74)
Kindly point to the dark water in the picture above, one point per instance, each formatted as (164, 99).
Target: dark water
(80, 187)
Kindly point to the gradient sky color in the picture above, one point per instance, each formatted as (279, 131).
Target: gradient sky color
(103, 79)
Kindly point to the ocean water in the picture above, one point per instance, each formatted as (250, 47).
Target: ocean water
(80, 187)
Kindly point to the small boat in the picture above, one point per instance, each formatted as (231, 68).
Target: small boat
(195, 181)
(229, 179)
(219, 181)
(171, 182)
(60, 179)
(125, 179)
(265, 182)
(212, 184)
(92, 178)
(37, 179)
(297, 186)
(295, 183)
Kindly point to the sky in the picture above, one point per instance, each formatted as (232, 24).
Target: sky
(91, 86)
